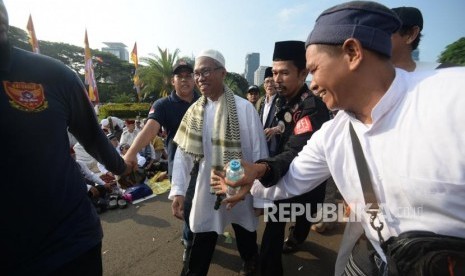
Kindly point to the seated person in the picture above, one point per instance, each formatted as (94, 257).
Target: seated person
(113, 125)
(140, 159)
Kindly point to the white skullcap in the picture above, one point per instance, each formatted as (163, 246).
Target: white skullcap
(104, 122)
(214, 54)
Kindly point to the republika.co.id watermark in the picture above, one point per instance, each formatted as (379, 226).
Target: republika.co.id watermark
(329, 212)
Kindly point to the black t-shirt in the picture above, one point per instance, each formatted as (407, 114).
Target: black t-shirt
(47, 219)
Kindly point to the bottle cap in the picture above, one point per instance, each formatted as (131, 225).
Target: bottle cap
(235, 164)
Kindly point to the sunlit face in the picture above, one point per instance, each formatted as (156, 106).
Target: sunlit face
(183, 83)
(209, 77)
(268, 84)
(287, 78)
(329, 77)
(3, 23)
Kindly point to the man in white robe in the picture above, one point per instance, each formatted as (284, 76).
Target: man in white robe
(225, 126)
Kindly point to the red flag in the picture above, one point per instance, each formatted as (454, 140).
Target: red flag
(89, 72)
(32, 36)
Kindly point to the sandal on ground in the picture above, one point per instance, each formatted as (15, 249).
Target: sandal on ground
(122, 203)
(113, 202)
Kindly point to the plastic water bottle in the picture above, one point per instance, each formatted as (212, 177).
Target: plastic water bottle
(234, 172)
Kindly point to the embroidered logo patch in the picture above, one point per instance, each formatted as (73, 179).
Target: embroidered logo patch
(152, 110)
(303, 126)
(26, 96)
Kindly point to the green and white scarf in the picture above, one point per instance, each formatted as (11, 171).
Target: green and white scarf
(226, 138)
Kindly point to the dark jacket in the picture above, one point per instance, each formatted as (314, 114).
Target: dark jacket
(271, 121)
(306, 107)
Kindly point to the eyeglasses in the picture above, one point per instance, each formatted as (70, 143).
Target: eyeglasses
(184, 77)
(205, 72)
(269, 82)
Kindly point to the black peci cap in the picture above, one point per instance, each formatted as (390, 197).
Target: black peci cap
(289, 50)
(369, 22)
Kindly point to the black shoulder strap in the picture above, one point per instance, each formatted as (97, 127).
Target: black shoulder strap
(363, 172)
(367, 186)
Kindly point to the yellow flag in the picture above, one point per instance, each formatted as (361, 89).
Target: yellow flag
(32, 36)
(135, 59)
(89, 72)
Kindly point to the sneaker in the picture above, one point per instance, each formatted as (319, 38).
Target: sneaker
(249, 267)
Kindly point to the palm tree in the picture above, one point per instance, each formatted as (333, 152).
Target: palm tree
(156, 76)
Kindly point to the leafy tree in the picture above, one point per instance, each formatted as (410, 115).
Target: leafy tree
(454, 53)
(156, 76)
(113, 76)
(19, 38)
(237, 83)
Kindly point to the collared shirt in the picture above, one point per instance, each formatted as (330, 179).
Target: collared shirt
(203, 217)
(267, 103)
(415, 153)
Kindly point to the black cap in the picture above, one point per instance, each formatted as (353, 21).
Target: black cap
(369, 22)
(409, 16)
(182, 65)
(268, 72)
(289, 50)
(253, 88)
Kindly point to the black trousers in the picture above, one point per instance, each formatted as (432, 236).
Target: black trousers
(203, 246)
(273, 237)
(88, 263)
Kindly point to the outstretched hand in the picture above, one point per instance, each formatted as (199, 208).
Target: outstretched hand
(245, 184)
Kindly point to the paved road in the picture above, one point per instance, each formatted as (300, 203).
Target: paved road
(144, 239)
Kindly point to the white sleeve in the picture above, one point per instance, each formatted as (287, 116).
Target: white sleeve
(124, 138)
(182, 166)
(260, 202)
(89, 175)
(307, 171)
(152, 153)
(140, 160)
(102, 168)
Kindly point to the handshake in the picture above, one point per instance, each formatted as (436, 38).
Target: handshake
(131, 176)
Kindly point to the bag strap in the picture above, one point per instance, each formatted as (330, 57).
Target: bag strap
(365, 180)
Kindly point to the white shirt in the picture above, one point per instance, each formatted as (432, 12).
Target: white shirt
(128, 137)
(82, 155)
(203, 218)
(267, 106)
(89, 175)
(415, 150)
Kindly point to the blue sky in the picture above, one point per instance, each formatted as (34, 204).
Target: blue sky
(234, 27)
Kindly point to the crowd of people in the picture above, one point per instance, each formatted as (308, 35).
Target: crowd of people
(375, 126)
